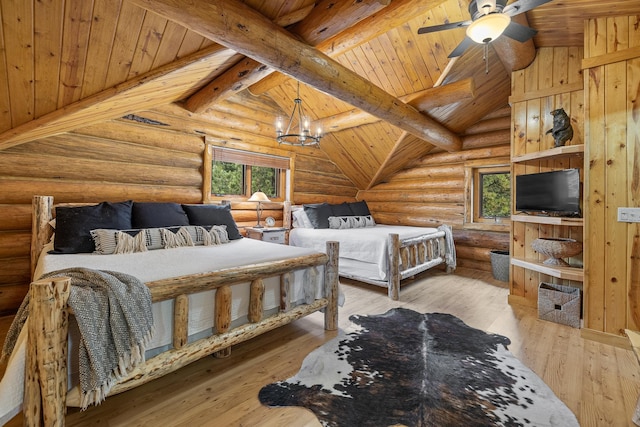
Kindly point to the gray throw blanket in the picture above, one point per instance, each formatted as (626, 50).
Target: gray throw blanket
(450, 256)
(113, 312)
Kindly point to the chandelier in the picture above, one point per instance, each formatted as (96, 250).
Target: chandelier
(299, 122)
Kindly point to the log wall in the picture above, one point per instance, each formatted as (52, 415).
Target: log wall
(116, 161)
(431, 192)
(612, 95)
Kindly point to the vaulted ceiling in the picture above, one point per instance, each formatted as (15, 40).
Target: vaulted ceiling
(227, 68)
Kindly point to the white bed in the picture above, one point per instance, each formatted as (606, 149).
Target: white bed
(293, 281)
(383, 255)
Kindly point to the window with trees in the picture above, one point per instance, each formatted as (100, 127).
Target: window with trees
(236, 173)
(488, 190)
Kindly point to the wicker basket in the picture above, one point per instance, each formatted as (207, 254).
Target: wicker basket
(559, 304)
(500, 265)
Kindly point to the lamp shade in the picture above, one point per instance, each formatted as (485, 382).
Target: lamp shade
(258, 196)
(488, 28)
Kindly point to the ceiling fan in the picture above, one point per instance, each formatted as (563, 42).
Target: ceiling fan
(489, 20)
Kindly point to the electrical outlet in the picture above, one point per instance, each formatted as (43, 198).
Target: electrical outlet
(628, 214)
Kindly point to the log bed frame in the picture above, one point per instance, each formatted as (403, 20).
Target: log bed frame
(46, 397)
(417, 254)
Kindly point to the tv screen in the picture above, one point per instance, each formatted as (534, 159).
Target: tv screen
(556, 192)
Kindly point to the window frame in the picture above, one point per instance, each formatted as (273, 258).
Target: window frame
(472, 172)
(283, 178)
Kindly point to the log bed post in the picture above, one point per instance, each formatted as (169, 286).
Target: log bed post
(393, 269)
(45, 387)
(331, 283)
(42, 207)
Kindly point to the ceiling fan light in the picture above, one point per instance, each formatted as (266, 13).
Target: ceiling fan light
(488, 28)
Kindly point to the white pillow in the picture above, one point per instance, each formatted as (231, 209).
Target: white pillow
(300, 219)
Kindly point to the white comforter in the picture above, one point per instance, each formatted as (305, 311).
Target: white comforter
(358, 246)
(161, 264)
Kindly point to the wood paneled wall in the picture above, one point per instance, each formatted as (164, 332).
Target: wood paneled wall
(317, 179)
(116, 161)
(553, 80)
(431, 192)
(612, 96)
(125, 162)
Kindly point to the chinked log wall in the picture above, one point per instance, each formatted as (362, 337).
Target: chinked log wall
(431, 191)
(119, 161)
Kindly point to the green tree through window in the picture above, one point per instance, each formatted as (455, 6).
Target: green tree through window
(227, 178)
(495, 194)
(264, 179)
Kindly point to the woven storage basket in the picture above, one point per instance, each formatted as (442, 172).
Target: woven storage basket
(500, 265)
(559, 303)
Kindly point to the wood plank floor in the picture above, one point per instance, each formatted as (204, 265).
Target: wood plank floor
(598, 382)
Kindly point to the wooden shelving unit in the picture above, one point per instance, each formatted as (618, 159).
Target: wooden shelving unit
(568, 273)
(552, 220)
(561, 272)
(553, 153)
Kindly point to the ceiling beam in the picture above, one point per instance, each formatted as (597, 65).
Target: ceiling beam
(322, 21)
(237, 26)
(513, 54)
(423, 101)
(398, 13)
(241, 75)
(161, 85)
(313, 30)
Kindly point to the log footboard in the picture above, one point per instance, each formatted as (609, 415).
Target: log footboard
(406, 258)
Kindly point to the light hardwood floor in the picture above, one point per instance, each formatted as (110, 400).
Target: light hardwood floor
(598, 382)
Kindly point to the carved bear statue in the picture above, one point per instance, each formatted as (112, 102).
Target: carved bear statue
(562, 131)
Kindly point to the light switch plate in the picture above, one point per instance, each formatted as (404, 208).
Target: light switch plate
(628, 214)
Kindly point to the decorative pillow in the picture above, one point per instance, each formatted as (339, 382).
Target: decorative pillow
(140, 240)
(343, 222)
(206, 215)
(359, 208)
(156, 215)
(179, 238)
(300, 219)
(341, 209)
(219, 234)
(126, 243)
(318, 214)
(74, 225)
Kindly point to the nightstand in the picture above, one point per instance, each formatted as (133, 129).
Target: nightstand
(267, 234)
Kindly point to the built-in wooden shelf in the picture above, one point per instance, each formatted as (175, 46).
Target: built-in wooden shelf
(553, 153)
(551, 220)
(561, 272)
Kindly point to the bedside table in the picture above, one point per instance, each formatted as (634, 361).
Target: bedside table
(267, 234)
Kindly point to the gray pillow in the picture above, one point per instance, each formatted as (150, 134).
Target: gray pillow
(318, 214)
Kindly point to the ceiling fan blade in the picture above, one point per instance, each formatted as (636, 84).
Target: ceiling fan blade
(519, 32)
(459, 50)
(522, 6)
(442, 27)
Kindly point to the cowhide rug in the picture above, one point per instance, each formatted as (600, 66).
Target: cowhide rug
(407, 368)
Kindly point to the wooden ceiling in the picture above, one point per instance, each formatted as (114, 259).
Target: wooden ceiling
(384, 94)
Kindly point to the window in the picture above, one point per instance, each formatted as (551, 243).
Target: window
(493, 200)
(241, 173)
(488, 194)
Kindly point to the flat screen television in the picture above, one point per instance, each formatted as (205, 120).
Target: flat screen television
(554, 193)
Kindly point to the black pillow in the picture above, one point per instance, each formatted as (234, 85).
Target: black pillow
(359, 208)
(213, 215)
(74, 225)
(318, 214)
(342, 209)
(156, 215)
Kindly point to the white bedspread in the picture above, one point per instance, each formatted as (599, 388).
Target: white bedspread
(363, 247)
(160, 264)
